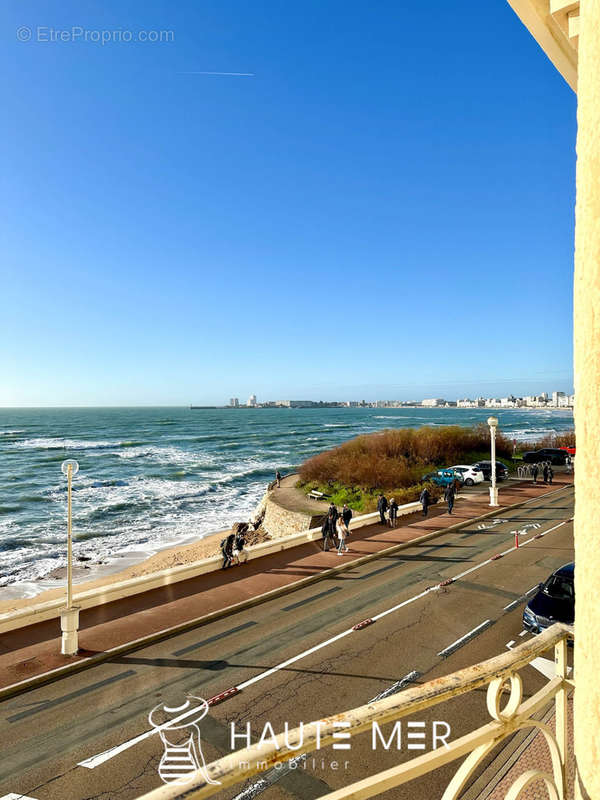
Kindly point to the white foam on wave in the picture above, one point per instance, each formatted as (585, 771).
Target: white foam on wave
(169, 455)
(56, 443)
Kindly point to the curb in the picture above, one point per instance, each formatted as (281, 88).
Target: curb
(137, 644)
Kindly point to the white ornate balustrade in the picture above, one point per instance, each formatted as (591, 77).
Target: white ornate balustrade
(500, 674)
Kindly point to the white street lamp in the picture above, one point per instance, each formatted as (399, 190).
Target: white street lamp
(69, 616)
(493, 423)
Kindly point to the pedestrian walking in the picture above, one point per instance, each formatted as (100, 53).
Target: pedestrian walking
(449, 496)
(545, 473)
(240, 554)
(328, 530)
(278, 479)
(346, 516)
(342, 534)
(227, 550)
(425, 500)
(393, 513)
(550, 475)
(534, 472)
(382, 505)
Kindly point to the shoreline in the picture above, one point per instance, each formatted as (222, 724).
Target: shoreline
(95, 575)
(135, 562)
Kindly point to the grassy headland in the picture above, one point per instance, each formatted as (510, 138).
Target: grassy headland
(395, 461)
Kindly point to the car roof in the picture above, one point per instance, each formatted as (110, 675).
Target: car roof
(566, 571)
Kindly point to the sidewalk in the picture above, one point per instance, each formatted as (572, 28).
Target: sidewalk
(532, 754)
(35, 650)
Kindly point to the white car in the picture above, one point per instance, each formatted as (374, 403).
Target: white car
(470, 475)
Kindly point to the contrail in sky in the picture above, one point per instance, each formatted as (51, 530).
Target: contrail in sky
(233, 74)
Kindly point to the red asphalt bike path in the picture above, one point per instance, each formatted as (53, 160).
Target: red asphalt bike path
(35, 650)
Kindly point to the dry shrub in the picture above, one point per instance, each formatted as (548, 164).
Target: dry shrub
(566, 439)
(397, 458)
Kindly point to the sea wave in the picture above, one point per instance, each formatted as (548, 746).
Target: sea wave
(56, 443)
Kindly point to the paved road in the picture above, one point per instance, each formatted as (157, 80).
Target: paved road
(48, 732)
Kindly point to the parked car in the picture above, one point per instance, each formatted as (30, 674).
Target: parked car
(555, 455)
(569, 450)
(444, 477)
(554, 602)
(486, 468)
(471, 475)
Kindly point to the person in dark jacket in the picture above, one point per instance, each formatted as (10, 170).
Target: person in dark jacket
(534, 472)
(550, 474)
(545, 473)
(393, 513)
(328, 530)
(347, 516)
(227, 550)
(425, 500)
(239, 553)
(382, 505)
(449, 496)
(278, 479)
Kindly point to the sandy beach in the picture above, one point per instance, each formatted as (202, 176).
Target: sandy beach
(114, 572)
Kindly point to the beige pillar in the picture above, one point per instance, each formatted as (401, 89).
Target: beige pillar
(587, 406)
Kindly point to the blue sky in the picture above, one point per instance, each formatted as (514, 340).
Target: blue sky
(384, 209)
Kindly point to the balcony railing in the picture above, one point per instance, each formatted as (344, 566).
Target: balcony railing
(500, 674)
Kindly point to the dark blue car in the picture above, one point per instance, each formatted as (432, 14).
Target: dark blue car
(554, 602)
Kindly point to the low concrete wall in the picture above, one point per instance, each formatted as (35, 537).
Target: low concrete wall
(40, 612)
(280, 522)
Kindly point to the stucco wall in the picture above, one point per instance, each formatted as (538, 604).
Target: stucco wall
(587, 408)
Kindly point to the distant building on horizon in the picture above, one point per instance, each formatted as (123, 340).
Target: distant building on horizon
(433, 402)
(251, 401)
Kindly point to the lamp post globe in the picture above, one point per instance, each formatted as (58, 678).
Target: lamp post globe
(69, 616)
(70, 462)
(493, 423)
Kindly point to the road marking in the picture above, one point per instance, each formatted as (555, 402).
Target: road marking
(269, 778)
(510, 644)
(214, 638)
(464, 639)
(398, 686)
(523, 633)
(95, 761)
(101, 758)
(515, 603)
(72, 695)
(486, 526)
(310, 599)
(546, 667)
(14, 796)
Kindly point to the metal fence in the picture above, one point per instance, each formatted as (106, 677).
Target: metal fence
(499, 674)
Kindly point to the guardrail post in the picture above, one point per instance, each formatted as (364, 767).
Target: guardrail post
(560, 703)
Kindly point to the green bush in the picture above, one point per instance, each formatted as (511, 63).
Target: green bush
(365, 500)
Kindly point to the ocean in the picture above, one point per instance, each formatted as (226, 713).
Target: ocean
(154, 477)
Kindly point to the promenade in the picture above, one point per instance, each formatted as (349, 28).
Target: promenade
(35, 650)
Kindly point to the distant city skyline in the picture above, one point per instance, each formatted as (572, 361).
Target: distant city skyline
(553, 399)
